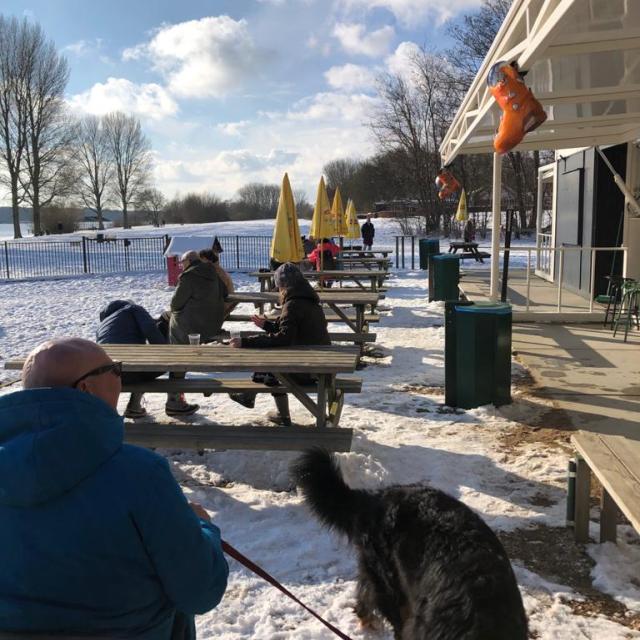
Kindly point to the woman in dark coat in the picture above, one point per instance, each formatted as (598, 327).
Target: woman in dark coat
(301, 323)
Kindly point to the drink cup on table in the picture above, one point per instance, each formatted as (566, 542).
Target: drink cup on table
(194, 338)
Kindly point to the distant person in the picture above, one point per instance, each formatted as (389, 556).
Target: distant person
(308, 245)
(96, 537)
(368, 232)
(197, 306)
(469, 234)
(301, 323)
(123, 322)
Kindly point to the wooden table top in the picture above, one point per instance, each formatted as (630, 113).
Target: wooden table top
(220, 358)
(350, 296)
(335, 275)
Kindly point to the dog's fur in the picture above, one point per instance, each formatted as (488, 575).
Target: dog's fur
(427, 563)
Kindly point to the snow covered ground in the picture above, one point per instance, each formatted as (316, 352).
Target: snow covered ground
(403, 434)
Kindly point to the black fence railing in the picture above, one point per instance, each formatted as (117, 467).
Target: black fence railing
(21, 259)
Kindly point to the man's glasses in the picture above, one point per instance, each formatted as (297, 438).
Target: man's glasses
(113, 367)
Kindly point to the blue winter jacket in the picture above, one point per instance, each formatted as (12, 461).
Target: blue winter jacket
(96, 536)
(123, 322)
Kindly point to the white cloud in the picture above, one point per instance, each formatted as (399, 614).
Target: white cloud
(350, 77)
(400, 62)
(334, 108)
(413, 12)
(232, 128)
(355, 39)
(202, 58)
(119, 94)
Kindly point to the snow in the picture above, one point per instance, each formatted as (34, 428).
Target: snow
(403, 434)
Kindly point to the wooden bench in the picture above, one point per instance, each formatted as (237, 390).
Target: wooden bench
(615, 461)
(478, 257)
(329, 315)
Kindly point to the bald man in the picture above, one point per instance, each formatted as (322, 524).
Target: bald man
(96, 537)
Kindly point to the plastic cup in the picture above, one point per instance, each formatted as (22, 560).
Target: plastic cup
(194, 338)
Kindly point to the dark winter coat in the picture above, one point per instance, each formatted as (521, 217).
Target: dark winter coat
(368, 232)
(301, 322)
(123, 322)
(197, 305)
(96, 537)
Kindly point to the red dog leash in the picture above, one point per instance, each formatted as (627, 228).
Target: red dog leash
(236, 555)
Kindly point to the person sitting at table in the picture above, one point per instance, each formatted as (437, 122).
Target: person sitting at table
(323, 258)
(209, 255)
(123, 322)
(97, 539)
(301, 322)
(197, 307)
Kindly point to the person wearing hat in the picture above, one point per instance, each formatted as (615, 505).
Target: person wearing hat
(301, 323)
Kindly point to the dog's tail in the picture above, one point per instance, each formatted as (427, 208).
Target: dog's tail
(317, 474)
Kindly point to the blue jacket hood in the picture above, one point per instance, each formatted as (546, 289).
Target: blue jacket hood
(112, 307)
(51, 440)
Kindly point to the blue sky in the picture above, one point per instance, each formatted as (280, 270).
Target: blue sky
(233, 91)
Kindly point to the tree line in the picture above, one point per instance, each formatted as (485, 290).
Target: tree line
(415, 112)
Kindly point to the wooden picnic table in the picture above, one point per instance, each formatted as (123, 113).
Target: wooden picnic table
(322, 362)
(359, 300)
(469, 250)
(382, 264)
(374, 277)
(362, 253)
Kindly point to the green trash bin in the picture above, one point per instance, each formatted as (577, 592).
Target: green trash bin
(477, 354)
(444, 276)
(427, 247)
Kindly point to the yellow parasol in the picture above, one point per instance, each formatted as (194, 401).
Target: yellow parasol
(286, 244)
(337, 210)
(351, 222)
(462, 214)
(321, 223)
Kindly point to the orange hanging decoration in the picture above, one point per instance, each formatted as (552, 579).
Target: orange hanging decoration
(446, 183)
(521, 112)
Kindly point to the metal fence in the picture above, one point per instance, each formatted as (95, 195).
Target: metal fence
(21, 259)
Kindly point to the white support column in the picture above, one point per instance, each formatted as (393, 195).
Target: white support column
(495, 226)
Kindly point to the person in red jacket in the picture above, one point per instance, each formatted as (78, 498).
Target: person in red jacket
(323, 258)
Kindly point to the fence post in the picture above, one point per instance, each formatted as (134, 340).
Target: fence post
(85, 260)
(6, 256)
(238, 252)
(413, 246)
(397, 254)
(402, 240)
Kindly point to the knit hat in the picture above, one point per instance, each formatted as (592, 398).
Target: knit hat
(287, 275)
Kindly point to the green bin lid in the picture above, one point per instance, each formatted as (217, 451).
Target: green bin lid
(495, 308)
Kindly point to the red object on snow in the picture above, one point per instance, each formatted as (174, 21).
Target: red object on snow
(174, 269)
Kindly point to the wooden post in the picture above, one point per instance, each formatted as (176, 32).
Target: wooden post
(608, 517)
(6, 257)
(583, 486)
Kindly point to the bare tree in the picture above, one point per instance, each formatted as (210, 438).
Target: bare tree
(258, 200)
(151, 203)
(49, 130)
(131, 154)
(13, 61)
(94, 165)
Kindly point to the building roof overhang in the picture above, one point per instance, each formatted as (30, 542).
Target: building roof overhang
(583, 64)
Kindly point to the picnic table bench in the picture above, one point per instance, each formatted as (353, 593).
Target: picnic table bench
(362, 253)
(469, 250)
(615, 461)
(325, 363)
(370, 264)
(375, 277)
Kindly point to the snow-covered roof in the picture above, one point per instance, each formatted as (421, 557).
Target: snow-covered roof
(182, 244)
(583, 63)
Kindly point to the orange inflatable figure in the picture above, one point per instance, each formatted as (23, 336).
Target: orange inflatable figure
(521, 112)
(446, 183)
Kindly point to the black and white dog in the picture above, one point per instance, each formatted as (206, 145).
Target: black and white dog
(427, 563)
